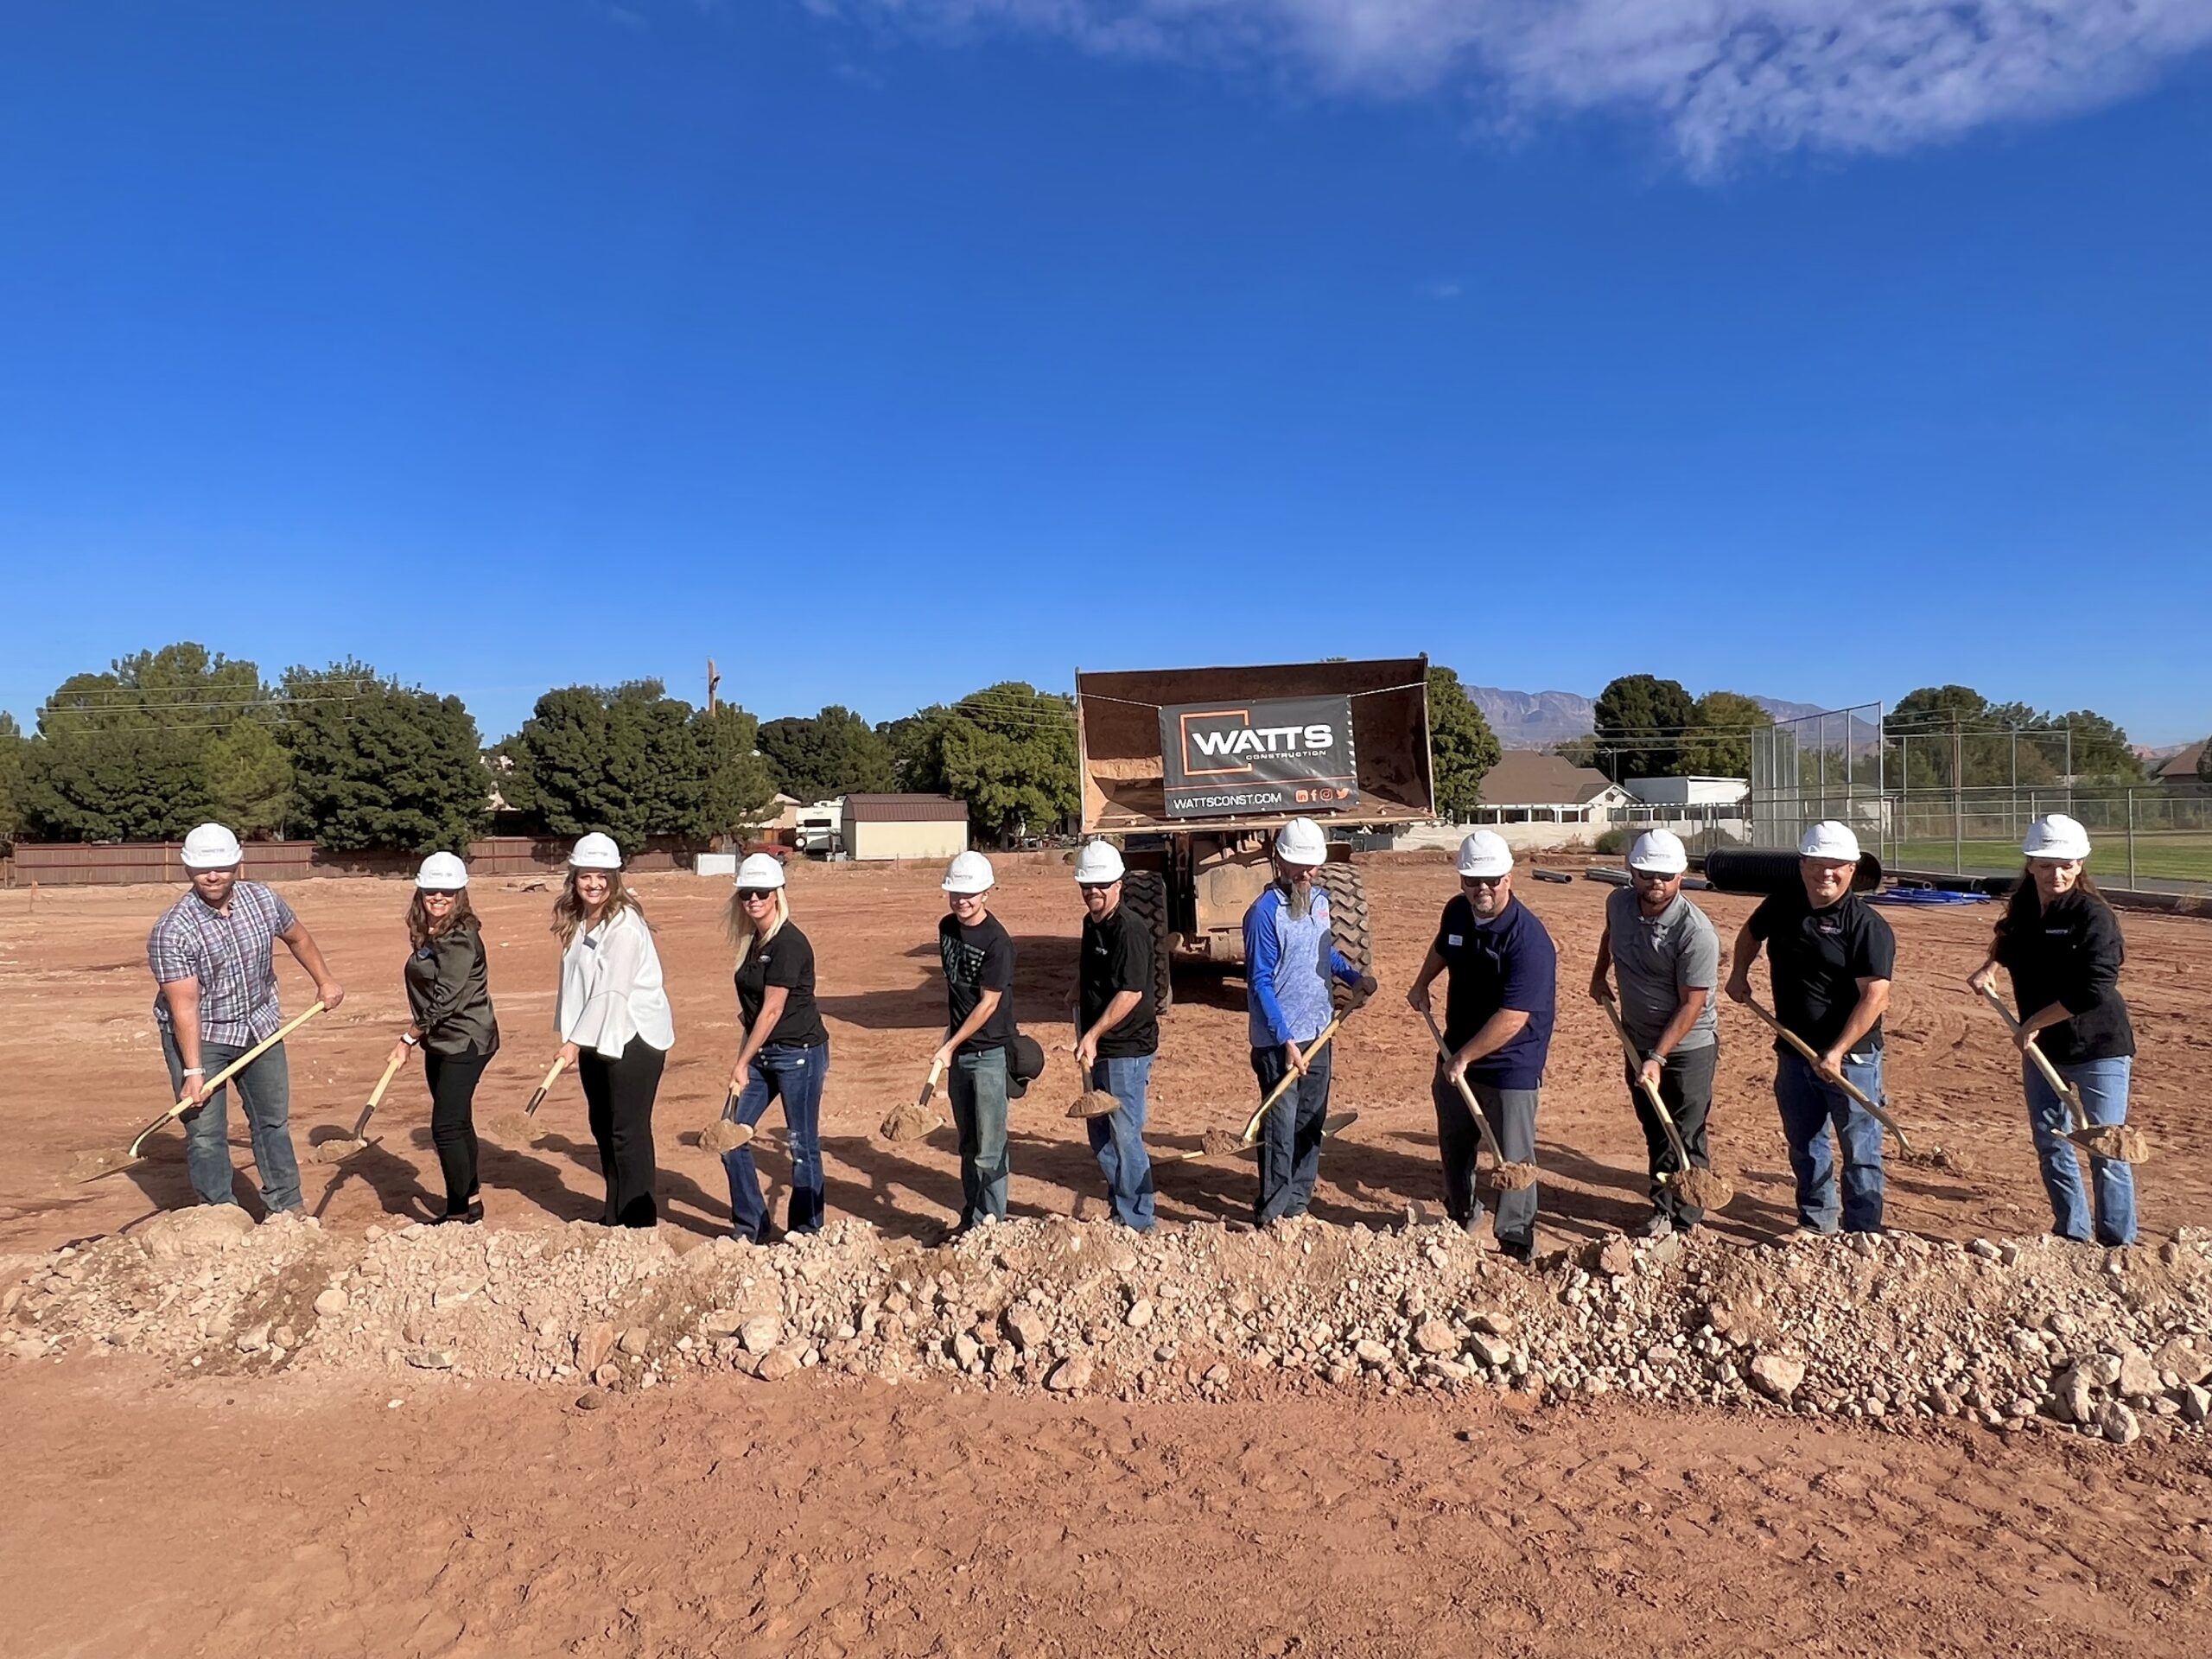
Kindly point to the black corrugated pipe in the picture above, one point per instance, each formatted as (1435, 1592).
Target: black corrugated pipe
(1766, 870)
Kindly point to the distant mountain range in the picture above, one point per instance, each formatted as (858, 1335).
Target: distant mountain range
(1536, 719)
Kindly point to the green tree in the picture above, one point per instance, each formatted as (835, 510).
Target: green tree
(1641, 723)
(1720, 743)
(626, 760)
(249, 777)
(1008, 751)
(12, 744)
(121, 755)
(1461, 744)
(2100, 749)
(2205, 763)
(378, 765)
(907, 740)
(834, 752)
(739, 783)
(1577, 751)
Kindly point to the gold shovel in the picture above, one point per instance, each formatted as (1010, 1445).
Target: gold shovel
(1700, 1187)
(913, 1121)
(1934, 1154)
(518, 1126)
(2113, 1140)
(1507, 1178)
(187, 1105)
(329, 1151)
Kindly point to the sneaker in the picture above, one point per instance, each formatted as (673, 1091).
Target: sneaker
(1659, 1226)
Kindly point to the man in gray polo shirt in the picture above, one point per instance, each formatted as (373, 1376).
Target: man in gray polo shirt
(1668, 959)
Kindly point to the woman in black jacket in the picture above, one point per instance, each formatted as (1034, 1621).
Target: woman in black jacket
(449, 1000)
(2060, 943)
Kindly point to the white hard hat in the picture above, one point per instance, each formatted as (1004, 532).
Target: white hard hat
(1660, 852)
(441, 872)
(1484, 853)
(970, 872)
(1829, 839)
(211, 846)
(2057, 836)
(761, 872)
(1097, 864)
(595, 852)
(1300, 842)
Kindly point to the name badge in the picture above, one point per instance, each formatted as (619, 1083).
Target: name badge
(1453, 940)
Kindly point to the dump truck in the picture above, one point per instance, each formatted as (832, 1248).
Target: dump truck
(1192, 770)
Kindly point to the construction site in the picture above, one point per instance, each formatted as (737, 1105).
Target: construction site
(1364, 1432)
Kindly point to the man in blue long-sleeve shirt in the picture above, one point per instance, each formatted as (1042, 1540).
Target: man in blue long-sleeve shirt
(1291, 961)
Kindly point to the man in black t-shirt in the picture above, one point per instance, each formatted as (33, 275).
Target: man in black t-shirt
(1117, 1030)
(978, 959)
(1831, 958)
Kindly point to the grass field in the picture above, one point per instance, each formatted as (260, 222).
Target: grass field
(2171, 857)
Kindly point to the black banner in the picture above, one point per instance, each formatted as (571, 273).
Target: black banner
(1258, 759)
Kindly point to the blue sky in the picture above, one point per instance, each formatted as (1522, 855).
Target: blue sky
(886, 348)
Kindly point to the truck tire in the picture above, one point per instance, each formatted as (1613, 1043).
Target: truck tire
(1348, 913)
(1144, 893)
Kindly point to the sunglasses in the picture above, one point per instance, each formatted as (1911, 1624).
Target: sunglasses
(1096, 886)
(1653, 876)
(1483, 881)
(756, 895)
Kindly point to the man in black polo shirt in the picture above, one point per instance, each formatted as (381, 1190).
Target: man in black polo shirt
(1116, 1030)
(1831, 958)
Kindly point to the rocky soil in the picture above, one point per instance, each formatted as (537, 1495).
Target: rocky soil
(2021, 1336)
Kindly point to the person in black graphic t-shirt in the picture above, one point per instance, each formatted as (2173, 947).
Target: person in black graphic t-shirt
(785, 1051)
(1831, 958)
(978, 959)
(1116, 1030)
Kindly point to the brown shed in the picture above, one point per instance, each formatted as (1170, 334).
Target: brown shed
(905, 826)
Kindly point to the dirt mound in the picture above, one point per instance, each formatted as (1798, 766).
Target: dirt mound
(1882, 1329)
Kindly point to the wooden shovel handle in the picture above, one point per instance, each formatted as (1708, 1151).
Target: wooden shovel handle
(929, 1084)
(390, 1071)
(1635, 1070)
(1474, 1106)
(2065, 1090)
(1283, 1086)
(228, 1071)
(1874, 1108)
(545, 1088)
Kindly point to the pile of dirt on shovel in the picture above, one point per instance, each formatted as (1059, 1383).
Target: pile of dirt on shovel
(2020, 1335)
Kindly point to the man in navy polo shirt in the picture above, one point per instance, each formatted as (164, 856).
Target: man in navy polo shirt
(1498, 1007)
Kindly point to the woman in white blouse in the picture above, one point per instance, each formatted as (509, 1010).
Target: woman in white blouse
(613, 1021)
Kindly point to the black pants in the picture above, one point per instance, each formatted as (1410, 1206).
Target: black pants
(620, 1095)
(1685, 1085)
(452, 1079)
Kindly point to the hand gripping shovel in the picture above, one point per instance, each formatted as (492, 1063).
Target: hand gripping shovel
(521, 1126)
(726, 1134)
(1507, 1178)
(1219, 1143)
(1934, 1154)
(332, 1149)
(1699, 1187)
(1091, 1103)
(911, 1121)
(2113, 1140)
(109, 1164)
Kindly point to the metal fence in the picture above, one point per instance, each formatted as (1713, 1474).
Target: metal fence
(2145, 839)
(1825, 766)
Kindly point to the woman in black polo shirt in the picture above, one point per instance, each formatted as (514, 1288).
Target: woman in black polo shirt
(2060, 943)
(449, 1006)
(786, 1054)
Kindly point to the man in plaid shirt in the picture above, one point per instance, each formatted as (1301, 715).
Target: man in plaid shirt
(212, 955)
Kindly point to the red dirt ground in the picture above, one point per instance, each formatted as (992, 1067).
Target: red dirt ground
(816, 1517)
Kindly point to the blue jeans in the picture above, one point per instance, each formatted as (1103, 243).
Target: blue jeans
(1290, 1134)
(794, 1075)
(1808, 1106)
(2103, 1088)
(1118, 1139)
(265, 1089)
(978, 1091)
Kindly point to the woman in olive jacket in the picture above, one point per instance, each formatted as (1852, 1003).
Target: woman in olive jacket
(449, 1003)
(2060, 942)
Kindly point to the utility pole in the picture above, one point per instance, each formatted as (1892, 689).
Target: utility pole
(1958, 832)
(714, 679)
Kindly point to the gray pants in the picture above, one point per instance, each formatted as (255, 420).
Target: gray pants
(265, 1089)
(1511, 1114)
(978, 1090)
(1686, 1087)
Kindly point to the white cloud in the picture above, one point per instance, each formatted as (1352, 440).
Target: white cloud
(1720, 76)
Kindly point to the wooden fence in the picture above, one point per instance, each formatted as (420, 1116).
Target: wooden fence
(77, 864)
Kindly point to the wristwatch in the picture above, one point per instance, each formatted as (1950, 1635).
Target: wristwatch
(410, 1040)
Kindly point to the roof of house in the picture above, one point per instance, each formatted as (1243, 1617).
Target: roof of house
(2182, 766)
(1524, 777)
(905, 808)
